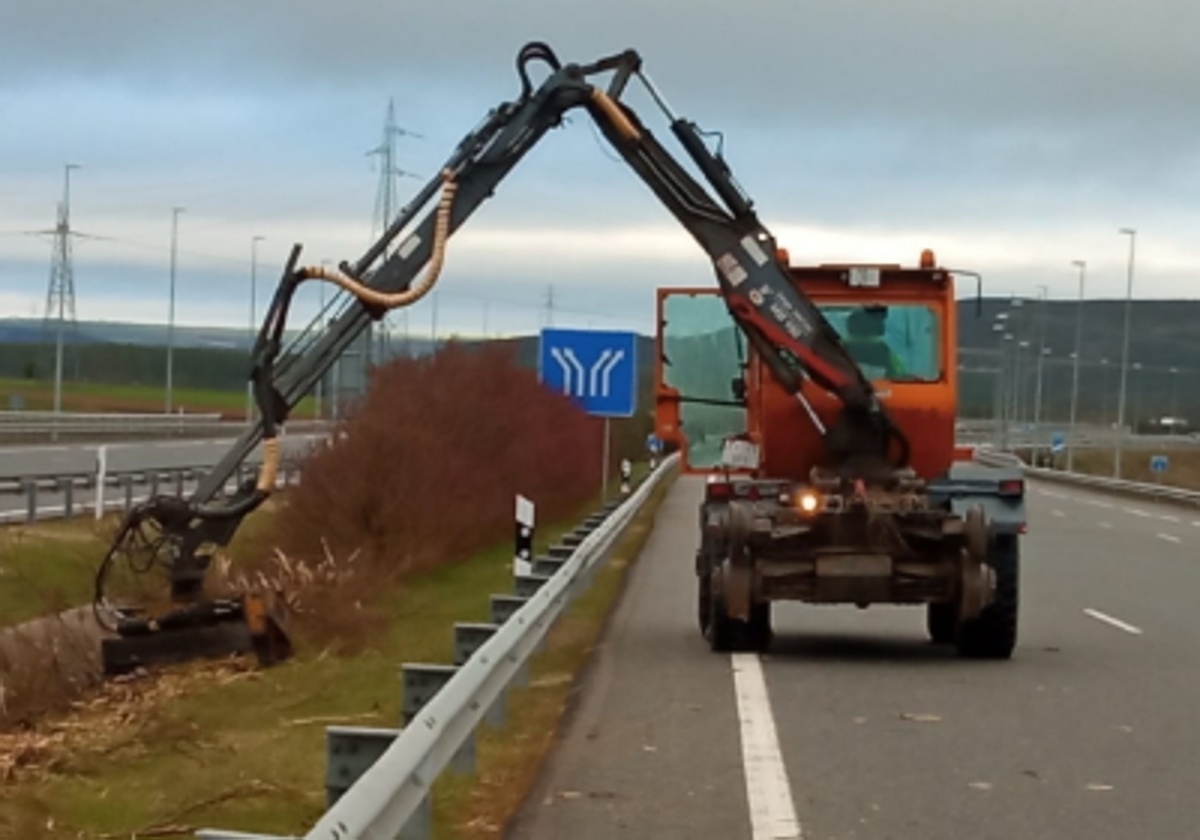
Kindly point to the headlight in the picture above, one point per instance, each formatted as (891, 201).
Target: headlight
(809, 501)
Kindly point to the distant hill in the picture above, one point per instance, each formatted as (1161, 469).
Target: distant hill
(1161, 338)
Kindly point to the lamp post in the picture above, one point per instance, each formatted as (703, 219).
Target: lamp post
(1082, 266)
(175, 211)
(1137, 399)
(1174, 399)
(1043, 293)
(254, 240)
(1132, 234)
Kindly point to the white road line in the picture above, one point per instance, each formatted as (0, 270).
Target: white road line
(1104, 524)
(1168, 518)
(1136, 512)
(1169, 537)
(1115, 622)
(1100, 504)
(1059, 513)
(772, 814)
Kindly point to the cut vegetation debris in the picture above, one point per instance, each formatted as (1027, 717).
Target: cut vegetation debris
(226, 746)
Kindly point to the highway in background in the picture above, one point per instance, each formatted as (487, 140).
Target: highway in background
(858, 727)
(81, 459)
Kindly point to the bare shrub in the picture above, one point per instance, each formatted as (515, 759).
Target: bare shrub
(423, 474)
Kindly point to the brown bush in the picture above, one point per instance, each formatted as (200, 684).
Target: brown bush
(424, 472)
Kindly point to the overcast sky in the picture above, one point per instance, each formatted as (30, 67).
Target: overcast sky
(1012, 137)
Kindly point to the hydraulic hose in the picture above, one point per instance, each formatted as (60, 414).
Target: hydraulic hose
(416, 291)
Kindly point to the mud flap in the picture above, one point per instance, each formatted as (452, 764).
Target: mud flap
(975, 584)
(737, 572)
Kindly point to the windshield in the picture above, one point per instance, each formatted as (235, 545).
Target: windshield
(899, 343)
(702, 351)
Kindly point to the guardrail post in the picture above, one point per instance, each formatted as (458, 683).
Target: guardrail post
(127, 484)
(154, 478)
(503, 606)
(547, 566)
(66, 486)
(420, 824)
(526, 586)
(468, 637)
(420, 683)
(349, 752)
(29, 485)
(177, 475)
(101, 477)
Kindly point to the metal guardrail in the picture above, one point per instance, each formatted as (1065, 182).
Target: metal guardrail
(54, 487)
(31, 426)
(1161, 492)
(393, 771)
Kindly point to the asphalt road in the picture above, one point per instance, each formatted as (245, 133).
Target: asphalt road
(854, 726)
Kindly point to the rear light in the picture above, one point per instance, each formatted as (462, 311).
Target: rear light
(718, 490)
(1012, 487)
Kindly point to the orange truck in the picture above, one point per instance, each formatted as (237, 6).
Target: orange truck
(782, 519)
(820, 400)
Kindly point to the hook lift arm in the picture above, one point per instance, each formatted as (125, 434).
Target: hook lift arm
(783, 325)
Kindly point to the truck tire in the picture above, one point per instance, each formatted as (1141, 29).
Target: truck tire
(704, 601)
(941, 620)
(723, 632)
(994, 634)
(727, 635)
(759, 631)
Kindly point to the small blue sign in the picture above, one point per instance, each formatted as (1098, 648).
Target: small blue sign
(1159, 463)
(595, 368)
(654, 443)
(1058, 443)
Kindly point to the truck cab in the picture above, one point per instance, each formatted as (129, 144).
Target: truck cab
(898, 323)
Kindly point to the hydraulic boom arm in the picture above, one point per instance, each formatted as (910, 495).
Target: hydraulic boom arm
(783, 325)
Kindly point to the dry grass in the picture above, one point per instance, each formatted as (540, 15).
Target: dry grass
(431, 461)
(1183, 470)
(220, 745)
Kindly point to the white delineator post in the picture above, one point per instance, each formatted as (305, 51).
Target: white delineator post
(523, 555)
(101, 475)
(626, 475)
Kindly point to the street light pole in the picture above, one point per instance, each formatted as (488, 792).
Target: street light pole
(1044, 292)
(1174, 399)
(1082, 266)
(175, 211)
(1132, 234)
(253, 319)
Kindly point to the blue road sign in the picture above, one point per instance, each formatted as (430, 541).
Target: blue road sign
(595, 368)
(1057, 442)
(1158, 463)
(653, 443)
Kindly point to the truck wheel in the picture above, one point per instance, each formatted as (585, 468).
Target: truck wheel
(941, 620)
(722, 630)
(994, 634)
(759, 630)
(704, 601)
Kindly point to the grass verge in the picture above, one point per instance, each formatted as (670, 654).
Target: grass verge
(508, 760)
(48, 567)
(100, 397)
(1183, 468)
(224, 746)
